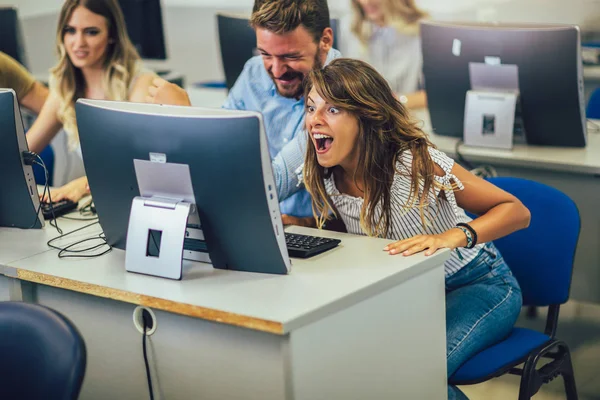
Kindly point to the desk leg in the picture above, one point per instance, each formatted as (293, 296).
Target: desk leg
(19, 290)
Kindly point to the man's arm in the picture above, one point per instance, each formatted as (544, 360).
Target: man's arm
(287, 167)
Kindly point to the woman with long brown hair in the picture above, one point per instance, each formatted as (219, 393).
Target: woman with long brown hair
(385, 33)
(96, 61)
(371, 165)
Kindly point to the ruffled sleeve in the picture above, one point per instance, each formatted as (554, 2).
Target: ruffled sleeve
(448, 181)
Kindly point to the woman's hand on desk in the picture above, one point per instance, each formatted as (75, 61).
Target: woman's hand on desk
(306, 221)
(163, 92)
(74, 191)
(450, 239)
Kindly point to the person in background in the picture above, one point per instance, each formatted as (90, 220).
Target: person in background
(30, 93)
(385, 33)
(371, 165)
(293, 37)
(96, 61)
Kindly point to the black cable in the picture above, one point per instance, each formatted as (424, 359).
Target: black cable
(68, 252)
(29, 158)
(146, 363)
(460, 157)
(594, 125)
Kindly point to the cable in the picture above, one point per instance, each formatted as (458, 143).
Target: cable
(68, 252)
(460, 157)
(30, 158)
(594, 125)
(145, 316)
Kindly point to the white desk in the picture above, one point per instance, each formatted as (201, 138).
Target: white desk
(352, 323)
(574, 171)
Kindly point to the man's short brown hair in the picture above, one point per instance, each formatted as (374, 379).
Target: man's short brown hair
(283, 16)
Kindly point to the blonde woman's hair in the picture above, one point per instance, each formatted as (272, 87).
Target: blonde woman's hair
(386, 131)
(120, 65)
(403, 15)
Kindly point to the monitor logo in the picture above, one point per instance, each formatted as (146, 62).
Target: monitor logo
(158, 158)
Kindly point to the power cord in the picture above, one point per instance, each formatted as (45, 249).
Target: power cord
(147, 320)
(594, 125)
(483, 171)
(460, 157)
(30, 158)
(69, 252)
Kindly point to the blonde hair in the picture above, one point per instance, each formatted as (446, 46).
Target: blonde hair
(386, 131)
(403, 15)
(121, 64)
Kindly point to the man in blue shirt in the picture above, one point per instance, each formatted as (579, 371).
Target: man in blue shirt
(293, 37)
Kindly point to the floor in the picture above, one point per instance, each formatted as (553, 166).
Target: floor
(579, 327)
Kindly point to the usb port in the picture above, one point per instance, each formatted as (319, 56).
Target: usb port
(31, 190)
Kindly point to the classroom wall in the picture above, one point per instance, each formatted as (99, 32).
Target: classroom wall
(191, 29)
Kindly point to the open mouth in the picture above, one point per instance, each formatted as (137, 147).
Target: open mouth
(322, 142)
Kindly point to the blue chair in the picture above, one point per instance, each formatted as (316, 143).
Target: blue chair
(38, 172)
(593, 107)
(541, 258)
(43, 356)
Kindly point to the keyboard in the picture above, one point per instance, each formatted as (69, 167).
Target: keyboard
(57, 208)
(304, 246)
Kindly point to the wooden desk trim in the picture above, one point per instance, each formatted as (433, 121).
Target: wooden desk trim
(208, 314)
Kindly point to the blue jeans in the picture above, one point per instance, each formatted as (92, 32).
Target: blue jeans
(483, 301)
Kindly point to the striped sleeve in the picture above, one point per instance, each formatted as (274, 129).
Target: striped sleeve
(449, 182)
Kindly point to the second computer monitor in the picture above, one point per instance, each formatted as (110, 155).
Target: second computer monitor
(549, 74)
(229, 165)
(145, 27)
(11, 38)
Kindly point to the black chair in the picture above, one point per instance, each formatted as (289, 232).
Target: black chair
(42, 355)
(541, 258)
(238, 43)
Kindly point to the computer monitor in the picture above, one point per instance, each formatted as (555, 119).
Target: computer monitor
(19, 201)
(11, 37)
(145, 27)
(230, 170)
(237, 40)
(549, 73)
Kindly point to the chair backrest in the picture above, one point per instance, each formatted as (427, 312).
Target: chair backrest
(593, 107)
(237, 40)
(43, 356)
(541, 256)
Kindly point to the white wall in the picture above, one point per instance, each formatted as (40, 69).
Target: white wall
(191, 31)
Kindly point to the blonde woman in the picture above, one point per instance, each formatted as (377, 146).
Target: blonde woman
(386, 35)
(96, 61)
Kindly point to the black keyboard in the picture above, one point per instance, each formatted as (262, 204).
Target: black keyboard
(304, 246)
(57, 208)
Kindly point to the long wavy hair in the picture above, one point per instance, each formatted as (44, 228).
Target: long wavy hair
(121, 63)
(403, 15)
(386, 131)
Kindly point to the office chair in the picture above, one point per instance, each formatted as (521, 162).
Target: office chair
(593, 107)
(43, 354)
(541, 258)
(238, 43)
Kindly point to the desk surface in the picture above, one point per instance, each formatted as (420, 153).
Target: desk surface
(578, 160)
(316, 287)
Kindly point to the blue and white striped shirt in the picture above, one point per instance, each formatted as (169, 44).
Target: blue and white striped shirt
(283, 119)
(442, 213)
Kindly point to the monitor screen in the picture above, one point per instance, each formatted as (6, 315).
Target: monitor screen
(230, 170)
(11, 37)
(549, 76)
(145, 27)
(19, 201)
